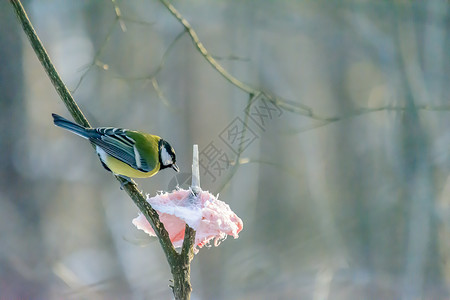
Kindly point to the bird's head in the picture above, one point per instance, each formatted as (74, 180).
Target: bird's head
(167, 156)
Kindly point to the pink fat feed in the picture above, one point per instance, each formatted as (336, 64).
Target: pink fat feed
(212, 219)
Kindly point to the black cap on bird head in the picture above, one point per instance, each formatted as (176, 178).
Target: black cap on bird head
(167, 156)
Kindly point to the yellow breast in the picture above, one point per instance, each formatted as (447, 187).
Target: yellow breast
(118, 167)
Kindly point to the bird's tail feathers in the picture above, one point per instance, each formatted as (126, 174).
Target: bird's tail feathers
(71, 126)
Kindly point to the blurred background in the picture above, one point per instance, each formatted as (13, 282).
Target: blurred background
(339, 168)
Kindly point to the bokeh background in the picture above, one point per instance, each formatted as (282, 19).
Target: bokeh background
(342, 182)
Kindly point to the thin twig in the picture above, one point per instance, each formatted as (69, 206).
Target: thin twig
(119, 19)
(159, 92)
(293, 106)
(198, 44)
(97, 55)
(119, 15)
(160, 66)
(279, 101)
(237, 160)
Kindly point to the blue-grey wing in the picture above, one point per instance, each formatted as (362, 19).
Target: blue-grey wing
(116, 143)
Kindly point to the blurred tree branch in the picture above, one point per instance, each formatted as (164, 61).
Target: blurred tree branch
(285, 104)
(119, 19)
(288, 105)
(179, 263)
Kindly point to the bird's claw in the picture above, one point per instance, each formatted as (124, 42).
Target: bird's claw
(123, 183)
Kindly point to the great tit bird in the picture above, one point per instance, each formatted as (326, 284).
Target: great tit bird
(124, 152)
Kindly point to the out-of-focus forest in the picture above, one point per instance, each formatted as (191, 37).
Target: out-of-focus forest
(338, 165)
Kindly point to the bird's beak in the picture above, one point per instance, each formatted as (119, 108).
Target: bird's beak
(175, 167)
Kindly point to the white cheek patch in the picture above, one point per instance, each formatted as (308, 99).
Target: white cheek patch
(165, 157)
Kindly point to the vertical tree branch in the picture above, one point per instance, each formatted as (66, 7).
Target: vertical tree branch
(181, 273)
(175, 260)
